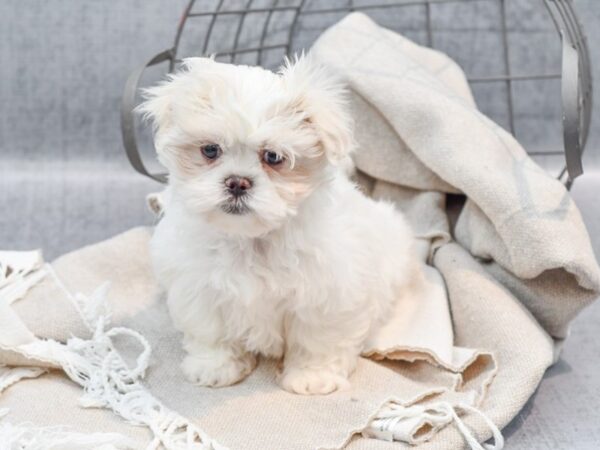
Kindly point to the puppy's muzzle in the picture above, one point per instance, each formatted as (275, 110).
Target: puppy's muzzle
(238, 186)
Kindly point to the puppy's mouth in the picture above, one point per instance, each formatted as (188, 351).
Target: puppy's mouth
(235, 206)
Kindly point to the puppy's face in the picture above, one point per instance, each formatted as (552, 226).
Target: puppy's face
(245, 146)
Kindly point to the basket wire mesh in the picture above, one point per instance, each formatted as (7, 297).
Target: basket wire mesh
(281, 18)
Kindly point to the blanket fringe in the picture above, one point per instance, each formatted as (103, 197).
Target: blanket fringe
(418, 423)
(58, 438)
(96, 366)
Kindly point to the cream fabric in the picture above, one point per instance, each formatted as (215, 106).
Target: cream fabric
(288, 421)
(520, 269)
(519, 221)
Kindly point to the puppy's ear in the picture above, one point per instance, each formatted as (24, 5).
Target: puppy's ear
(322, 97)
(159, 100)
(156, 107)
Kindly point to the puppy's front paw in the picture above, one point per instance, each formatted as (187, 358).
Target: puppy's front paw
(312, 381)
(218, 368)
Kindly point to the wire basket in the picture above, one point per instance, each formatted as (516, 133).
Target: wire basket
(261, 32)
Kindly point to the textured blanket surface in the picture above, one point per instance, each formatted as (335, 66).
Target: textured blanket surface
(264, 415)
(506, 278)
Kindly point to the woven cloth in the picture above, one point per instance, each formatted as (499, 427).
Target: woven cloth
(505, 279)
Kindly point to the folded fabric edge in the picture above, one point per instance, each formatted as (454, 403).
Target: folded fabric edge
(411, 354)
(10, 375)
(583, 267)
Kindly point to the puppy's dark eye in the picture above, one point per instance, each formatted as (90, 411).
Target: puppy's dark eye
(272, 158)
(211, 151)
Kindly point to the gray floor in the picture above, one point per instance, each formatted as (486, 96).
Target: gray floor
(64, 181)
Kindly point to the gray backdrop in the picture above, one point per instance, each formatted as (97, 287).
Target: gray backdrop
(65, 182)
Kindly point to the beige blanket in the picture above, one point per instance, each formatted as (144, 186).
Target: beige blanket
(521, 268)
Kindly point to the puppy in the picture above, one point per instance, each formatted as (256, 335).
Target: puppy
(266, 247)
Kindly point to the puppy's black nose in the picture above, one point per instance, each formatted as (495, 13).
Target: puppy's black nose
(237, 186)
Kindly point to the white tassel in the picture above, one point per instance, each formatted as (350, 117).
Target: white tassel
(25, 437)
(403, 423)
(109, 383)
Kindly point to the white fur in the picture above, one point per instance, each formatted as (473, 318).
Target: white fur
(313, 266)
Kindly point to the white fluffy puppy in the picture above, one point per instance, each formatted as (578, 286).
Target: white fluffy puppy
(266, 247)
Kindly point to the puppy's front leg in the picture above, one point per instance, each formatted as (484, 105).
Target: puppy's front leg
(320, 356)
(211, 360)
(214, 365)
